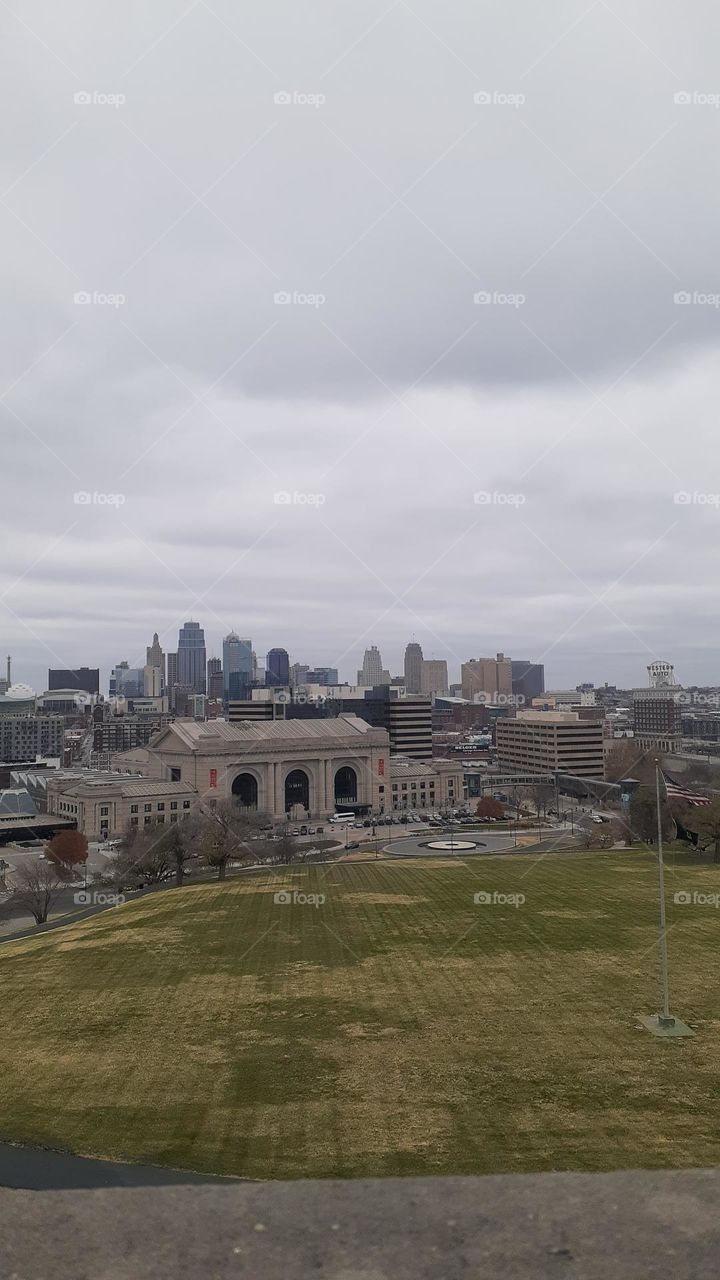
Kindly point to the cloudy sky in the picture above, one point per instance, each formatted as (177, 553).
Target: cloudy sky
(346, 323)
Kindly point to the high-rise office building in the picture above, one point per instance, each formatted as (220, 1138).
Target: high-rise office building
(215, 679)
(127, 681)
(433, 676)
(408, 720)
(191, 657)
(372, 673)
(86, 679)
(413, 667)
(491, 678)
(154, 657)
(528, 679)
(277, 668)
(322, 675)
(171, 677)
(548, 741)
(237, 662)
(298, 674)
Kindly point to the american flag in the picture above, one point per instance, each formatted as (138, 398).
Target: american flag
(686, 795)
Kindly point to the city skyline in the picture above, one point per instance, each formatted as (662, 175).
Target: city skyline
(348, 675)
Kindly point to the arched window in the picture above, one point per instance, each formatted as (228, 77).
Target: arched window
(245, 791)
(297, 790)
(345, 786)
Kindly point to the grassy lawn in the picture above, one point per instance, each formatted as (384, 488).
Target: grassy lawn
(398, 1028)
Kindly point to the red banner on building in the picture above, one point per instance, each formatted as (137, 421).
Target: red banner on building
(213, 777)
(381, 768)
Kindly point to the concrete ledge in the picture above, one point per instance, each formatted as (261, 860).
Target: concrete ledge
(639, 1226)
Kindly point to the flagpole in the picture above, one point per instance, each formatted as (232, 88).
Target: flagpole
(663, 1023)
(661, 890)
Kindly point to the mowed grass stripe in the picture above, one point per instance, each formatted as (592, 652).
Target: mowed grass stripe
(397, 1027)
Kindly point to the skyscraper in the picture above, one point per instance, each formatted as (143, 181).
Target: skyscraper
(487, 679)
(214, 679)
(237, 666)
(434, 676)
(277, 668)
(156, 658)
(191, 657)
(413, 667)
(371, 673)
(172, 676)
(528, 679)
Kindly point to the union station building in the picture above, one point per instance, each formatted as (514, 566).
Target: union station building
(280, 767)
(301, 768)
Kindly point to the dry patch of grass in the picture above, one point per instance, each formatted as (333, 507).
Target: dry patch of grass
(398, 1028)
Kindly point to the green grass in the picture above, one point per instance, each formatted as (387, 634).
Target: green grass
(396, 1029)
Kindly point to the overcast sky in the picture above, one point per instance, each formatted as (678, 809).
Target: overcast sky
(480, 475)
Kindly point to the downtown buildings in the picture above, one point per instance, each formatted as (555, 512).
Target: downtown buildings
(192, 658)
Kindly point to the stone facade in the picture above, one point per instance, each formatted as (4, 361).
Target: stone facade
(301, 767)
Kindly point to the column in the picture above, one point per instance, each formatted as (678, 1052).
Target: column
(270, 800)
(329, 790)
(278, 787)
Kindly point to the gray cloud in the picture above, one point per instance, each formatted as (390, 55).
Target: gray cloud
(397, 396)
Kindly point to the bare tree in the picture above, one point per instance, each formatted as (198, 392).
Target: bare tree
(36, 888)
(143, 857)
(286, 849)
(222, 834)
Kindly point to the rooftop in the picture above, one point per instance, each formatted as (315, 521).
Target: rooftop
(213, 735)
